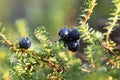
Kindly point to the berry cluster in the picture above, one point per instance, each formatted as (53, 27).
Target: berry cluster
(25, 43)
(71, 37)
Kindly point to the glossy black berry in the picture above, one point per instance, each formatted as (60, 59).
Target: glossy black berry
(25, 43)
(64, 33)
(74, 34)
(73, 45)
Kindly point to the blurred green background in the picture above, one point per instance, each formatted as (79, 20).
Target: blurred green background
(52, 14)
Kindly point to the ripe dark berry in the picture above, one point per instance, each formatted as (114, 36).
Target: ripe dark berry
(73, 45)
(74, 34)
(25, 43)
(64, 33)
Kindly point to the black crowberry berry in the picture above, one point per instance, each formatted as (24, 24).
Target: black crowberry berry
(64, 33)
(73, 45)
(74, 34)
(25, 43)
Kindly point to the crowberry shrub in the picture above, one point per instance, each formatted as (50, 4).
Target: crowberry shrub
(51, 61)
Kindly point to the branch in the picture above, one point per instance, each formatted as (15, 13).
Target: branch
(6, 40)
(111, 26)
(85, 70)
(38, 58)
(110, 50)
(49, 63)
(91, 7)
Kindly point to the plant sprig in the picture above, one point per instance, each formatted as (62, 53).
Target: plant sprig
(87, 11)
(115, 16)
(89, 35)
(112, 23)
(31, 55)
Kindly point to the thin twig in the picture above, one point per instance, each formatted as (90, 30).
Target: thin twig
(85, 70)
(109, 49)
(92, 5)
(112, 24)
(48, 62)
(6, 40)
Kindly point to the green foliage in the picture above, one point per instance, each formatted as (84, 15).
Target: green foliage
(52, 60)
(87, 9)
(93, 38)
(115, 16)
(89, 35)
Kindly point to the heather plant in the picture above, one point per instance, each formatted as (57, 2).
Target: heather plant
(53, 60)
